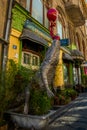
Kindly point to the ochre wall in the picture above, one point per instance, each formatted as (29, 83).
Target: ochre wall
(14, 40)
(58, 81)
(3, 11)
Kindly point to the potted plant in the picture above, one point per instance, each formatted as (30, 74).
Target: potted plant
(39, 113)
(39, 103)
(16, 81)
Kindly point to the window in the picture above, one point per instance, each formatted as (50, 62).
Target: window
(66, 73)
(46, 22)
(37, 10)
(34, 60)
(27, 58)
(28, 5)
(78, 41)
(59, 29)
(30, 59)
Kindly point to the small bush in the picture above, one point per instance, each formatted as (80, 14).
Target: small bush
(12, 86)
(64, 96)
(39, 102)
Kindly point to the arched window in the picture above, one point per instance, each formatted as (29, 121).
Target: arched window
(61, 23)
(46, 22)
(60, 29)
(78, 42)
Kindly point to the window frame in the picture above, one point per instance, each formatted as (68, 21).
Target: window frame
(37, 15)
(59, 22)
(31, 65)
(43, 12)
(66, 77)
(26, 59)
(28, 7)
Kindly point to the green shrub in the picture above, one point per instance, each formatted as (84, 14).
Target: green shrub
(12, 83)
(39, 102)
(65, 96)
(72, 93)
(7, 79)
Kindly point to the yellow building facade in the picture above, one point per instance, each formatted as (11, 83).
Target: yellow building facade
(30, 38)
(25, 35)
(58, 80)
(14, 46)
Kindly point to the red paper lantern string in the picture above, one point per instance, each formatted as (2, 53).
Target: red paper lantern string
(52, 15)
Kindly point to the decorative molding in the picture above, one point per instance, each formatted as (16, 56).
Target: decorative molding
(15, 33)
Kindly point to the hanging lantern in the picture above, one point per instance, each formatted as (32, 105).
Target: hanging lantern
(52, 14)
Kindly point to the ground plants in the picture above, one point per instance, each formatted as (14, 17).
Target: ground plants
(13, 82)
(63, 97)
(39, 102)
(12, 85)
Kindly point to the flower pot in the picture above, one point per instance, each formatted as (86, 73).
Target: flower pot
(31, 121)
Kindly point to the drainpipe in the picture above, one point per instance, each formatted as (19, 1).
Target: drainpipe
(7, 30)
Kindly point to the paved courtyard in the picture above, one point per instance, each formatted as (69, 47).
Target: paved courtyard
(74, 117)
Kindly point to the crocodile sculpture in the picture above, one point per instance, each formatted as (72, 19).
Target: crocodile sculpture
(45, 75)
(46, 72)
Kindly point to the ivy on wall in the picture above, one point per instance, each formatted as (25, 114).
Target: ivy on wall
(20, 15)
(18, 19)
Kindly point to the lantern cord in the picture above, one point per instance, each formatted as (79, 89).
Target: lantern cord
(52, 25)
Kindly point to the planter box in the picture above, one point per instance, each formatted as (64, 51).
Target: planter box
(31, 121)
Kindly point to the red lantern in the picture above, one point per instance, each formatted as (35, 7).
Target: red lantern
(52, 14)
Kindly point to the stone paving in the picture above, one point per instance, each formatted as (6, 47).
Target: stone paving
(73, 116)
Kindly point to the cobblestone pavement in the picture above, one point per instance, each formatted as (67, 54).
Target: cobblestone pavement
(74, 118)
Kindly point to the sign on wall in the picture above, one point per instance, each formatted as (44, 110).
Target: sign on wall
(64, 42)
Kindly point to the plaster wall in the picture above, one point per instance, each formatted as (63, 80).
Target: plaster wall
(58, 80)
(13, 52)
